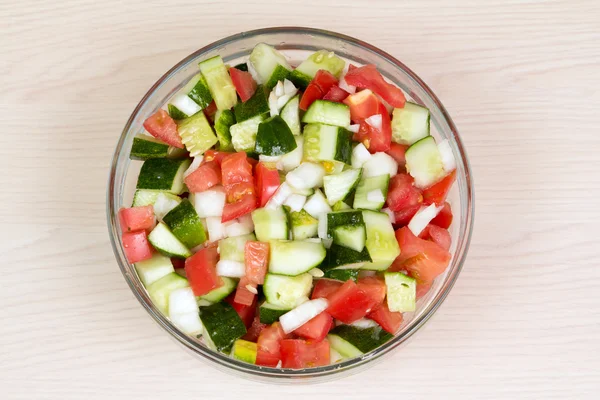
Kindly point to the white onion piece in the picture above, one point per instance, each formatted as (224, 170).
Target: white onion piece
(447, 156)
(278, 89)
(360, 155)
(354, 128)
(322, 227)
(269, 159)
(375, 196)
(364, 323)
(282, 101)
(380, 164)
(306, 176)
(292, 159)
(390, 214)
(295, 202)
(231, 269)
(240, 226)
(317, 204)
(300, 315)
(289, 87)
(422, 218)
(193, 166)
(185, 104)
(283, 192)
(163, 205)
(216, 229)
(375, 121)
(183, 311)
(210, 203)
(273, 104)
(348, 88)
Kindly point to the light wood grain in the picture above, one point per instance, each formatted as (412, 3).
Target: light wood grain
(521, 80)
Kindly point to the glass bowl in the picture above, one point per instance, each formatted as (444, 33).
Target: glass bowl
(296, 43)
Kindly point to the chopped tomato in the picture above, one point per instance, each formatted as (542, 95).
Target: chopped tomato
(298, 353)
(437, 235)
(241, 207)
(349, 303)
(311, 94)
(388, 320)
(235, 168)
(362, 105)
(404, 216)
(423, 289)
(317, 328)
(398, 153)
(267, 182)
(215, 155)
(324, 287)
(178, 263)
(237, 178)
(201, 271)
(245, 311)
(374, 288)
(163, 127)
(137, 218)
(438, 192)
(444, 217)
(268, 343)
(243, 82)
(317, 88)
(239, 191)
(243, 295)
(256, 256)
(206, 176)
(324, 80)
(210, 111)
(367, 77)
(255, 330)
(402, 193)
(136, 246)
(422, 259)
(376, 140)
(336, 94)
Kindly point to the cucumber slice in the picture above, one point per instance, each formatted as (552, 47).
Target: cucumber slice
(299, 79)
(269, 313)
(218, 294)
(345, 258)
(341, 206)
(219, 82)
(185, 224)
(338, 187)
(242, 67)
(176, 113)
(366, 186)
(270, 223)
(350, 236)
(342, 274)
(233, 248)
(265, 59)
(145, 147)
(343, 347)
(197, 90)
(327, 143)
(304, 226)
(381, 240)
(256, 105)
(150, 271)
(222, 325)
(164, 241)
(363, 340)
(401, 292)
(343, 218)
(327, 112)
(163, 174)
(274, 137)
(291, 114)
(160, 290)
(196, 134)
(294, 257)
(243, 134)
(244, 350)
(424, 162)
(410, 124)
(280, 73)
(224, 119)
(143, 197)
(287, 291)
(322, 59)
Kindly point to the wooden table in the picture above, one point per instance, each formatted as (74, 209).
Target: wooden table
(521, 80)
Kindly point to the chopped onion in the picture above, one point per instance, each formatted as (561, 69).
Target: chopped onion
(283, 192)
(295, 202)
(327, 242)
(216, 229)
(375, 196)
(278, 89)
(375, 121)
(447, 155)
(317, 273)
(185, 104)
(343, 84)
(380, 164)
(306, 176)
(300, 315)
(269, 159)
(282, 101)
(354, 128)
(163, 205)
(317, 205)
(240, 226)
(232, 269)
(360, 155)
(194, 165)
(422, 218)
(210, 203)
(364, 323)
(390, 214)
(183, 310)
(289, 87)
(292, 159)
(273, 104)
(322, 227)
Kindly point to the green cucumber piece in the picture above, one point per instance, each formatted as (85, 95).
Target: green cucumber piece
(265, 59)
(424, 162)
(185, 224)
(304, 226)
(342, 274)
(244, 350)
(350, 236)
(338, 187)
(327, 143)
(233, 248)
(224, 119)
(167, 243)
(279, 74)
(343, 347)
(269, 313)
(291, 114)
(150, 271)
(345, 258)
(176, 113)
(270, 223)
(274, 137)
(401, 292)
(341, 206)
(410, 124)
(219, 82)
(299, 79)
(381, 240)
(343, 218)
(145, 147)
(218, 294)
(163, 174)
(367, 185)
(287, 291)
(364, 340)
(243, 134)
(322, 59)
(256, 105)
(327, 112)
(222, 325)
(160, 290)
(197, 89)
(196, 134)
(294, 257)
(144, 197)
(242, 67)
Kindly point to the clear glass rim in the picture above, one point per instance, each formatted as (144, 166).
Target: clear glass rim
(317, 372)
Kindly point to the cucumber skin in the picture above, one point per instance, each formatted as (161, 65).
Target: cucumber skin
(144, 149)
(365, 185)
(176, 113)
(270, 315)
(342, 274)
(343, 152)
(274, 137)
(341, 218)
(338, 256)
(299, 79)
(256, 105)
(201, 94)
(218, 294)
(185, 224)
(279, 74)
(158, 174)
(223, 325)
(242, 67)
(222, 125)
(365, 340)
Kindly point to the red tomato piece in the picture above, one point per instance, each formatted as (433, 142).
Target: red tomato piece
(241, 207)
(210, 111)
(349, 303)
(438, 192)
(243, 82)
(137, 218)
(255, 330)
(324, 287)
(235, 168)
(298, 353)
(374, 139)
(317, 328)
(214, 155)
(336, 94)
(136, 246)
(402, 193)
(374, 288)
(201, 271)
(404, 216)
(444, 217)
(267, 182)
(245, 311)
(324, 80)
(367, 77)
(312, 93)
(163, 127)
(178, 263)
(268, 343)
(423, 289)
(243, 295)
(398, 153)
(317, 88)
(256, 256)
(206, 176)
(362, 105)
(388, 320)
(437, 235)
